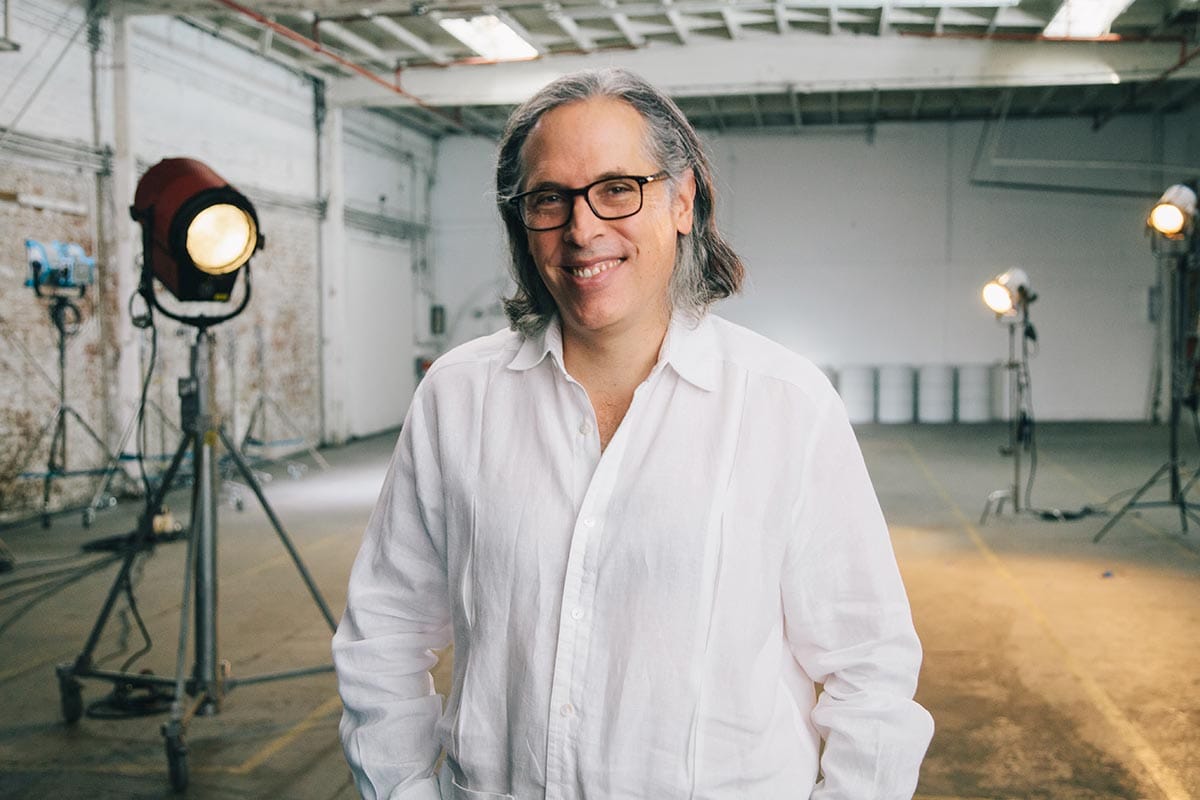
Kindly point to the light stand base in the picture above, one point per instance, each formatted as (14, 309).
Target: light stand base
(1179, 501)
(201, 692)
(995, 503)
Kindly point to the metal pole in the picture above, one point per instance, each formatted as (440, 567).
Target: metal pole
(1014, 414)
(1177, 316)
(204, 527)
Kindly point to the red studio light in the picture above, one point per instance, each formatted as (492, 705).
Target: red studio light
(197, 230)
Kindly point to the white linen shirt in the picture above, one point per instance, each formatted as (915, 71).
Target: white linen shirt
(642, 623)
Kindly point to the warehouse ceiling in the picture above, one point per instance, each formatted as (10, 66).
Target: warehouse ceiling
(733, 65)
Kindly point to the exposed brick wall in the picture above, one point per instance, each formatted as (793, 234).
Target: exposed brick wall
(29, 346)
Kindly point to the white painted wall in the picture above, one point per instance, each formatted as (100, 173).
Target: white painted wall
(467, 248)
(873, 249)
(380, 371)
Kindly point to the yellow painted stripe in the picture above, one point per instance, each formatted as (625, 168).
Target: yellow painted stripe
(271, 748)
(1129, 735)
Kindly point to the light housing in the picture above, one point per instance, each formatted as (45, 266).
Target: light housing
(490, 37)
(1009, 290)
(1084, 19)
(1174, 213)
(197, 230)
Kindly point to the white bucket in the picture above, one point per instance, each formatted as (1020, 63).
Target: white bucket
(856, 385)
(975, 393)
(935, 393)
(895, 393)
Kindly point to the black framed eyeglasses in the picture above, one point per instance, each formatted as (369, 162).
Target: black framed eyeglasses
(609, 198)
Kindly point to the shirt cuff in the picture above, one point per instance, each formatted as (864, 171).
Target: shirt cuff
(426, 789)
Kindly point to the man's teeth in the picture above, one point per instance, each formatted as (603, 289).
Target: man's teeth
(595, 269)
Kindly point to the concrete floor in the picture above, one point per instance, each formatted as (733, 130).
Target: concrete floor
(1055, 667)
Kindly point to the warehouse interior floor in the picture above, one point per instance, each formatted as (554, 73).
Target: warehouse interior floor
(1055, 667)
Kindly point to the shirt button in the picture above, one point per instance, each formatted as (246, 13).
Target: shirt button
(576, 613)
(567, 710)
(585, 428)
(590, 522)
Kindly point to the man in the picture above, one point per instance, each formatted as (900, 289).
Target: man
(648, 532)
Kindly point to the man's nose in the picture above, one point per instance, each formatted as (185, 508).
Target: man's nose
(584, 224)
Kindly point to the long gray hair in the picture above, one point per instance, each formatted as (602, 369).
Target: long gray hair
(706, 268)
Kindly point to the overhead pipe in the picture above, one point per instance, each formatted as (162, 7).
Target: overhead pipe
(1111, 38)
(358, 69)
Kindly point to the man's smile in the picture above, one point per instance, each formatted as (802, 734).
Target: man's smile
(591, 270)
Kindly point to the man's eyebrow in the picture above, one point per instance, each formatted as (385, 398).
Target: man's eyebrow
(612, 173)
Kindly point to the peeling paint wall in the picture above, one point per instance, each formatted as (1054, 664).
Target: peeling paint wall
(29, 351)
(254, 123)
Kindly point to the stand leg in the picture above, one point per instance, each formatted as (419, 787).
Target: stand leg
(1136, 496)
(84, 660)
(56, 462)
(244, 468)
(312, 451)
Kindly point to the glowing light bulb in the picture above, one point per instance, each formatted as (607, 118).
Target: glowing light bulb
(220, 239)
(997, 298)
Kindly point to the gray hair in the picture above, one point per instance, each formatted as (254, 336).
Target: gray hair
(706, 268)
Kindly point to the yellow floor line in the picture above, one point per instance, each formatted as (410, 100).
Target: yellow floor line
(271, 748)
(1130, 736)
(255, 761)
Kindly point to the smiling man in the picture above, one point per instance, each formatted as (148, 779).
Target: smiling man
(648, 532)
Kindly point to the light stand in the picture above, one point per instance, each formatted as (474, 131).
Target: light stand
(258, 415)
(1013, 307)
(209, 681)
(61, 289)
(1182, 274)
(184, 191)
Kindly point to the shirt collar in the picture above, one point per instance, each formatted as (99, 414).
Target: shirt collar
(535, 348)
(689, 348)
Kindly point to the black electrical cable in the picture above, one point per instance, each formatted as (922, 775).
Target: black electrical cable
(1027, 437)
(145, 321)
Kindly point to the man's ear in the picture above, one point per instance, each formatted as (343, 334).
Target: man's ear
(685, 200)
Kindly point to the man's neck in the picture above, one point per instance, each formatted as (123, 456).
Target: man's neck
(613, 361)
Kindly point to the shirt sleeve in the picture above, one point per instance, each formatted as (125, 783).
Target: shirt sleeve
(848, 624)
(397, 613)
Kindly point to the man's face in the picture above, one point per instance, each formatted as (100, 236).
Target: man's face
(606, 276)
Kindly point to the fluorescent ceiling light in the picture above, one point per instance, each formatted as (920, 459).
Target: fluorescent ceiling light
(489, 37)
(1085, 19)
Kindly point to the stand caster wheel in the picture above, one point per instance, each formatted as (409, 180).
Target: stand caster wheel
(45, 520)
(239, 503)
(177, 767)
(71, 698)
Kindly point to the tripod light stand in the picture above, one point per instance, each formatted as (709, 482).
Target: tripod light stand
(1171, 225)
(197, 234)
(1009, 296)
(61, 273)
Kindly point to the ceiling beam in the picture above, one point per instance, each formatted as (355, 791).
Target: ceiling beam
(631, 34)
(1009, 13)
(676, 19)
(512, 22)
(731, 22)
(810, 62)
(570, 27)
(352, 40)
(409, 39)
(797, 116)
